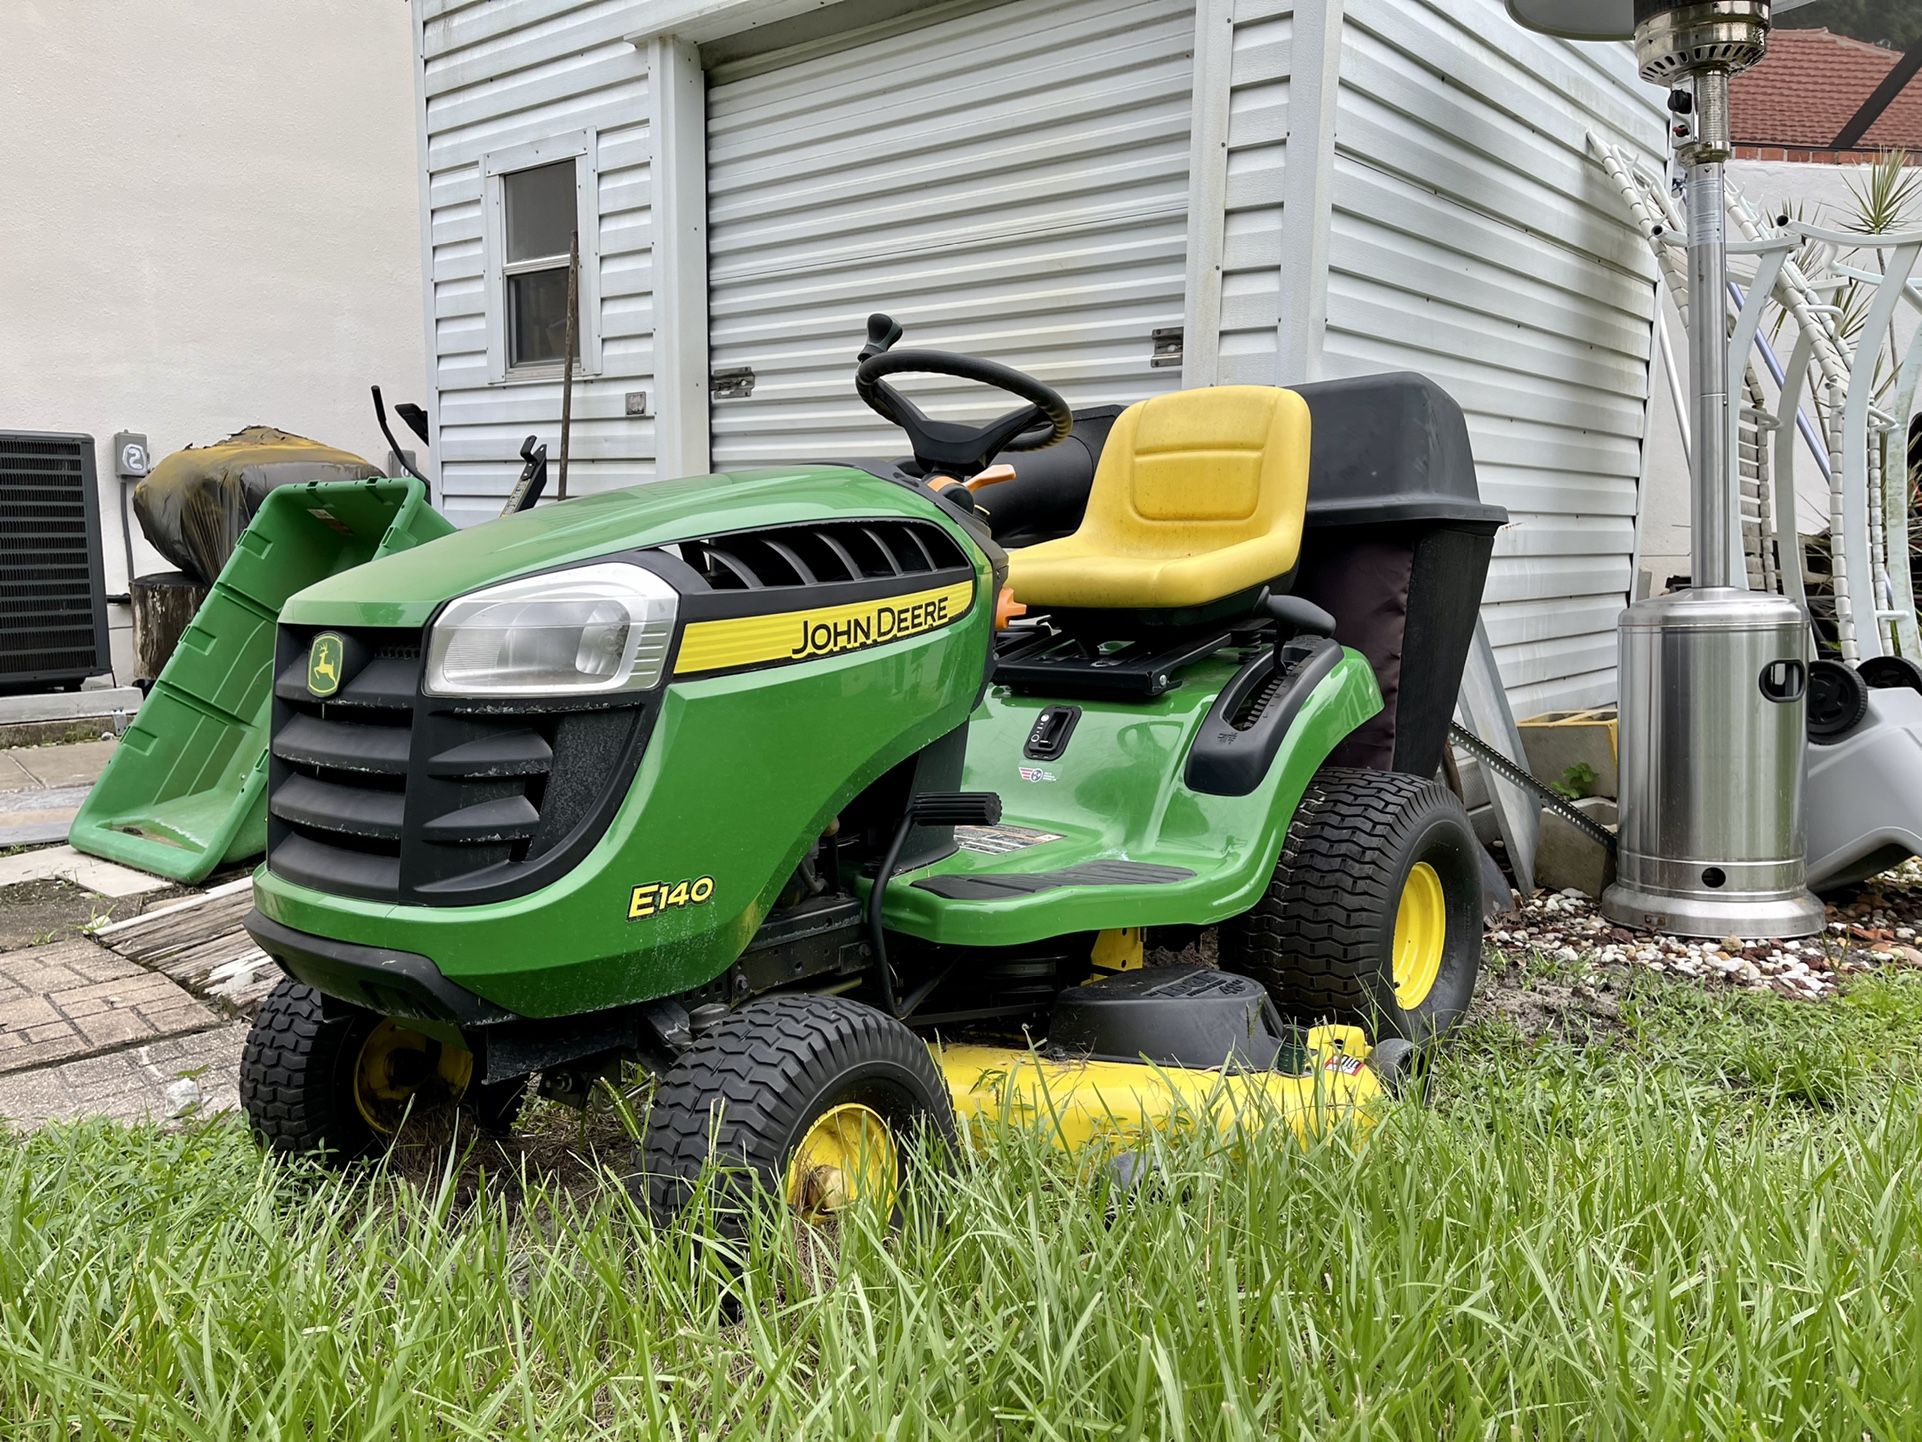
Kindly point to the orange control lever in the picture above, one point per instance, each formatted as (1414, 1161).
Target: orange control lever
(992, 476)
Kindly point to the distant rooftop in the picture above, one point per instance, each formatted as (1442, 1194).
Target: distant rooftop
(1806, 88)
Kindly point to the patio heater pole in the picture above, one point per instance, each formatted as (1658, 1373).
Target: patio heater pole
(1713, 679)
(1712, 507)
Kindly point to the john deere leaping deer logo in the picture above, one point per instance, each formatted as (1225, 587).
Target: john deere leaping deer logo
(323, 664)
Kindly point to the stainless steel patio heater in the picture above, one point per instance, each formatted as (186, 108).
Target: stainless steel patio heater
(1713, 678)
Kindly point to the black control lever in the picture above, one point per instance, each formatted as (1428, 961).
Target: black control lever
(380, 414)
(532, 480)
(1296, 616)
(414, 417)
(883, 332)
(1300, 615)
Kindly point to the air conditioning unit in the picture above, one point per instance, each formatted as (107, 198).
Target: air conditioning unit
(53, 613)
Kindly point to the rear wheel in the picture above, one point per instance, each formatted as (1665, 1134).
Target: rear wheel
(811, 1099)
(1374, 913)
(333, 1079)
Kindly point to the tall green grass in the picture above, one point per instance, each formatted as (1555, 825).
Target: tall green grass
(1704, 1225)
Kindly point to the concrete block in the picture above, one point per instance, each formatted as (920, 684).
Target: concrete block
(1559, 740)
(135, 1084)
(76, 764)
(90, 872)
(1566, 859)
(63, 1017)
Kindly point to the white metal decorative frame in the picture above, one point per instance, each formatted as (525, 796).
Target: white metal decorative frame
(1848, 391)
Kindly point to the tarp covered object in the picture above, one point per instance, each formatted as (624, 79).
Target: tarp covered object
(194, 504)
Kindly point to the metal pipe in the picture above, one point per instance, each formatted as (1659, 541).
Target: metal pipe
(1714, 502)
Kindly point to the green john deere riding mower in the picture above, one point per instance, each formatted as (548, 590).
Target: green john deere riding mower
(847, 799)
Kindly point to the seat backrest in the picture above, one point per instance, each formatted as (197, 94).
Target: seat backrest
(1199, 470)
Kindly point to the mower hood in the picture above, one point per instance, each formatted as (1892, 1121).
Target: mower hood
(405, 589)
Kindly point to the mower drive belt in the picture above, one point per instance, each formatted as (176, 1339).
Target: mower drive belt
(1551, 798)
(1004, 886)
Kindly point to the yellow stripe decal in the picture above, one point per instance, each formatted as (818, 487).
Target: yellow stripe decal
(823, 631)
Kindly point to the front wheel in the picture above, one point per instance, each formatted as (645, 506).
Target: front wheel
(811, 1099)
(1374, 914)
(340, 1082)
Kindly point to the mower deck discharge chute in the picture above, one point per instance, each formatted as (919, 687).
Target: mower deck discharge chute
(763, 782)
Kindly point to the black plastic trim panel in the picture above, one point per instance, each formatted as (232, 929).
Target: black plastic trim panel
(393, 983)
(387, 794)
(1238, 741)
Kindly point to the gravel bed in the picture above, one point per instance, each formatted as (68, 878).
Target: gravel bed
(1878, 924)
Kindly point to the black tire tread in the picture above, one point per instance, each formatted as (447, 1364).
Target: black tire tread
(1313, 937)
(293, 1088)
(293, 1108)
(760, 1066)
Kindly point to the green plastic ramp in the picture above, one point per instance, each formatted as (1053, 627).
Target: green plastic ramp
(186, 789)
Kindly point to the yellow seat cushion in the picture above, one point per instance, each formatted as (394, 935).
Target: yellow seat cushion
(1199, 495)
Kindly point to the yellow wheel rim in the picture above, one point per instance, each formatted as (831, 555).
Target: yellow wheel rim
(1421, 934)
(847, 1155)
(397, 1067)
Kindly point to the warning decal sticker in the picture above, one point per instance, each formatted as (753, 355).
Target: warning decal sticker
(1000, 840)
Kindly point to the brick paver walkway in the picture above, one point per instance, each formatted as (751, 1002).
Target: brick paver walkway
(75, 998)
(137, 1083)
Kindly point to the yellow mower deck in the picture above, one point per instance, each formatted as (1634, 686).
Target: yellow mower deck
(1082, 1102)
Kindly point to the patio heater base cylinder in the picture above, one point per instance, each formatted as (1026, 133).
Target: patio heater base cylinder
(1713, 696)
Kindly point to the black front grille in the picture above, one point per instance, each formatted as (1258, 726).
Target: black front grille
(820, 553)
(53, 619)
(378, 791)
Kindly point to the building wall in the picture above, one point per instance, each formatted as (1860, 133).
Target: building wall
(1473, 240)
(1251, 233)
(497, 76)
(1821, 194)
(211, 221)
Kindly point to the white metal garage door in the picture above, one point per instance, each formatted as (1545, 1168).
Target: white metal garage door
(1011, 182)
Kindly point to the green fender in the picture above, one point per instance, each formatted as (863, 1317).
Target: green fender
(1118, 794)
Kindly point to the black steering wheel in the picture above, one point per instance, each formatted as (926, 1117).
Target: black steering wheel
(954, 447)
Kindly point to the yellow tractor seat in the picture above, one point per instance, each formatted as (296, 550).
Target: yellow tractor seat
(1198, 496)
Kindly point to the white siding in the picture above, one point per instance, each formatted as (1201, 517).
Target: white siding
(1251, 240)
(503, 73)
(1009, 182)
(1474, 241)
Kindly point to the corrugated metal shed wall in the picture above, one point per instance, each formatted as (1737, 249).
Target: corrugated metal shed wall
(502, 73)
(1473, 240)
(1009, 182)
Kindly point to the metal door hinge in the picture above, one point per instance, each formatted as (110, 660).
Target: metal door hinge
(732, 383)
(1167, 342)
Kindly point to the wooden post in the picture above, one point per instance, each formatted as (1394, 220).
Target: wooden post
(573, 340)
(163, 605)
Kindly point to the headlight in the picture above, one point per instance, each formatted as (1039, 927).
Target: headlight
(567, 633)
